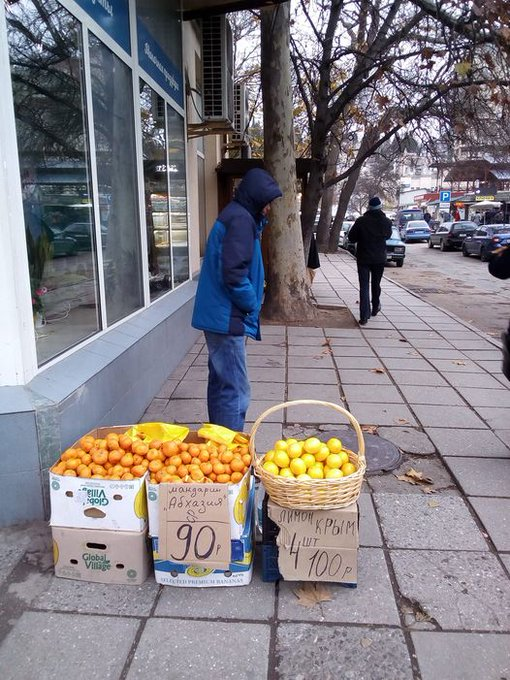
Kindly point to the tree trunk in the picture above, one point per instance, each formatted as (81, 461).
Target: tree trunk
(368, 139)
(287, 293)
(328, 195)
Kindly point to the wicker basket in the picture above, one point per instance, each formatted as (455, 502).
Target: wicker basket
(312, 494)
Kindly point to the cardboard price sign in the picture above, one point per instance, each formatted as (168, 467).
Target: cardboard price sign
(194, 524)
(317, 545)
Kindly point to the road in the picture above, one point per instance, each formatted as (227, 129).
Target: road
(461, 285)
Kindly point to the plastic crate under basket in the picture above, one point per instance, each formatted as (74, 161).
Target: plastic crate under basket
(312, 494)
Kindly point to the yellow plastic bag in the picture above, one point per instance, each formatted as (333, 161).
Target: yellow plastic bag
(163, 431)
(222, 435)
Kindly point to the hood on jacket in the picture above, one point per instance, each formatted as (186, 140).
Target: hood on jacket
(256, 190)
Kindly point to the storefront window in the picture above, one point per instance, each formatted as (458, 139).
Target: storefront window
(47, 76)
(112, 97)
(152, 108)
(178, 201)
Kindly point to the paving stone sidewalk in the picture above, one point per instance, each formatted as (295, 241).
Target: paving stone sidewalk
(433, 596)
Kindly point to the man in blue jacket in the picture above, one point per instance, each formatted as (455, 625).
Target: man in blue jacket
(229, 295)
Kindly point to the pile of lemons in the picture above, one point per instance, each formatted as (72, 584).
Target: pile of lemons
(308, 459)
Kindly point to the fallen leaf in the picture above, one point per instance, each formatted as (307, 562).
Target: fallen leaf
(403, 421)
(365, 642)
(311, 594)
(370, 429)
(433, 503)
(377, 370)
(428, 489)
(419, 476)
(413, 476)
(422, 616)
(458, 362)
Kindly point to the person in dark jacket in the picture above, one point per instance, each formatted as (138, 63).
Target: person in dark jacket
(499, 266)
(229, 295)
(370, 232)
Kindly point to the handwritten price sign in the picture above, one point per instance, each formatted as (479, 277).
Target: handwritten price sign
(317, 545)
(194, 524)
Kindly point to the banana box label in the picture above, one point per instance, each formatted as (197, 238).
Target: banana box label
(98, 503)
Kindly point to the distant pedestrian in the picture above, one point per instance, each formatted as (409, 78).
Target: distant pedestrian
(456, 215)
(313, 261)
(229, 295)
(477, 218)
(498, 217)
(499, 266)
(427, 216)
(370, 232)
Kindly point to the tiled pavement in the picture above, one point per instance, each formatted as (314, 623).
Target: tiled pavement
(433, 600)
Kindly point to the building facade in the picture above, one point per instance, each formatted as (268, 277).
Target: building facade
(105, 201)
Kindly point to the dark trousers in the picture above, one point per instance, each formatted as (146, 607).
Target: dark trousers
(369, 276)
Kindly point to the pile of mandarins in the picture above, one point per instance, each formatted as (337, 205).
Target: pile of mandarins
(119, 456)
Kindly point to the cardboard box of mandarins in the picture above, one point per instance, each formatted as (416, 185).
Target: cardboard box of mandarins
(95, 503)
(120, 557)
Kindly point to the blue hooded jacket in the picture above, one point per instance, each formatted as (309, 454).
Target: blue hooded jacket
(231, 284)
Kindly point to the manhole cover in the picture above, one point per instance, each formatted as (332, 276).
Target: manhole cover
(381, 454)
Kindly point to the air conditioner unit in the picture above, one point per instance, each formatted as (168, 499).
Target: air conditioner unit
(241, 112)
(217, 70)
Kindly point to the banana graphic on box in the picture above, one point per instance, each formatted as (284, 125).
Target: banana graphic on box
(197, 572)
(140, 504)
(240, 502)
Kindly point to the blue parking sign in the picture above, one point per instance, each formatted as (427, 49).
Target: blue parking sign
(444, 196)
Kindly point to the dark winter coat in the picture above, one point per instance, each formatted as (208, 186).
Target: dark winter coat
(231, 284)
(370, 232)
(499, 265)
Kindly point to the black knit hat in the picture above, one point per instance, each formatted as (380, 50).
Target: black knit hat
(375, 203)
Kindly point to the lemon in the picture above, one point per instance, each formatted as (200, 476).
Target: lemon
(334, 473)
(295, 449)
(334, 460)
(291, 440)
(280, 445)
(303, 476)
(334, 445)
(298, 466)
(269, 455)
(269, 466)
(322, 453)
(308, 459)
(316, 472)
(345, 457)
(312, 445)
(286, 472)
(348, 469)
(281, 459)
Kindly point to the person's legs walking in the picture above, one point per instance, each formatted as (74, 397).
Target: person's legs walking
(377, 272)
(364, 292)
(228, 387)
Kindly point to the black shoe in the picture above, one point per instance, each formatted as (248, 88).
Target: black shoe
(362, 322)
(376, 310)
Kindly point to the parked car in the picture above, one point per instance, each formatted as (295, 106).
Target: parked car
(395, 248)
(82, 234)
(415, 230)
(486, 239)
(62, 245)
(342, 238)
(405, 215)
(450, 235)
